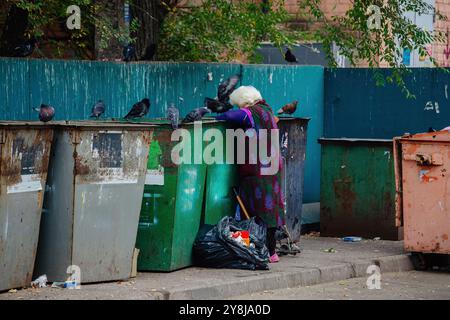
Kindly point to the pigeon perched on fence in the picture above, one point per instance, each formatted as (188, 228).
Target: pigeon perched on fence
(173, 114)
(98, 109)
(289, 108)
(25, 49)
(196, 115)
(150, 52)
(139, 109)
(290, 57)
(222, 102)
(46, 112)
(129, 53)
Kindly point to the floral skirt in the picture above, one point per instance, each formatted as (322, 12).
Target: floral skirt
(263, 197)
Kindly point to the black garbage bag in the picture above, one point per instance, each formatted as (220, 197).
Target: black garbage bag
(214, 248)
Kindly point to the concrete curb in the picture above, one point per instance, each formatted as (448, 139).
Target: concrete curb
(284, 280)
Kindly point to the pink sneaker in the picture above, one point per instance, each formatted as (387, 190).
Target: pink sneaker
(274, 258)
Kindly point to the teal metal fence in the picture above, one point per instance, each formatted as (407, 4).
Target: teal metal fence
(357, 108)
(72, 87)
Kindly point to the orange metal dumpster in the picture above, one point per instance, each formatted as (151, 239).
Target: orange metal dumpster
(422, 167)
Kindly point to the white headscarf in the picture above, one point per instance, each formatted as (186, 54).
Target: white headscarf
(245, 96)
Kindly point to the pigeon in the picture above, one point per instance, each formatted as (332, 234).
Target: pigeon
(217, 106)
(289, 108)
(227, 87)
(221, 103)
(25, 49)
(149, 52)
(289, 56)
(173, 115)
(46, 113)
(196, 115)
(129, 53)
(139, 109)
(98, 109)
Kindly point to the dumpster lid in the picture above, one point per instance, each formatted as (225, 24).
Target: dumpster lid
(102, 124)
(288, 118)
(438, 136)
(354, 140)
(24, 124)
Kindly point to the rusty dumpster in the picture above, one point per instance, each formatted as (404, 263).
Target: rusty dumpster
(24, 158)
(293, 133)
(92, 200)
(358, 189)
(422, 165)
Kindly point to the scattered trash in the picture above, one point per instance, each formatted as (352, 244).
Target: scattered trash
(12, 291)
(352, 239)
(40, 282)
(241, 237)
(331, 250)
(288, 248)
(312, 234)
(377, 238)
(215, 248)
(66, 285)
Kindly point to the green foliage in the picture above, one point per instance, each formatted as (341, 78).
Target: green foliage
(47, 14)
(221, 31)
(379, 46)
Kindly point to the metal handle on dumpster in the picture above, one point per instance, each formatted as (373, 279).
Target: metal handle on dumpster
(423, 159)
(2, 137)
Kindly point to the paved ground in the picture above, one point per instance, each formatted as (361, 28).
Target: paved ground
(313, 266)
(416, 285)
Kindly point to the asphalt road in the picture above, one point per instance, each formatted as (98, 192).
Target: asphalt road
(394, 286)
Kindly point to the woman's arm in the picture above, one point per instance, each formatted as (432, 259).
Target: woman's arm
(238, 118)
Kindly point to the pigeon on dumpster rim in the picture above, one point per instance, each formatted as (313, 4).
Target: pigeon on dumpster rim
(46, 112)
(173, 115)
(290, 57)
(98, 109)
(221, 103)
(217, 106)
(129, 53)
(196, 115)
(25, 49)
(139, 109)
(289, 108)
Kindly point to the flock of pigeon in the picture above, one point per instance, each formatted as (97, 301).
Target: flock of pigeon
(140, 109)
(128, 53)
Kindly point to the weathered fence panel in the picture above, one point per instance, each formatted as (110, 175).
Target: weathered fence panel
(356, 108)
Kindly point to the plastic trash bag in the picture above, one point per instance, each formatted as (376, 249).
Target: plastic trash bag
(214, 248)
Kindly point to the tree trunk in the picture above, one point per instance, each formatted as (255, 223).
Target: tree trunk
(150, 14)
(13, 31)
(113, 10)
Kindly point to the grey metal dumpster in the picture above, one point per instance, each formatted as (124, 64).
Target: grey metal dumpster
(93, 200)
(293, 153)
(24, 157)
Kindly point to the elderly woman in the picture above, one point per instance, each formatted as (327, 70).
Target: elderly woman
(261, 193)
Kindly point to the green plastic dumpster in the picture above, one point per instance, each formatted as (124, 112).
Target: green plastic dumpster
(358, 189)
(172, 201)
(92, 201)
(24, 157)
(221, 178)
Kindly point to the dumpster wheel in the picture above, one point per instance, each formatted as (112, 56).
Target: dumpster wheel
(419, 261)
